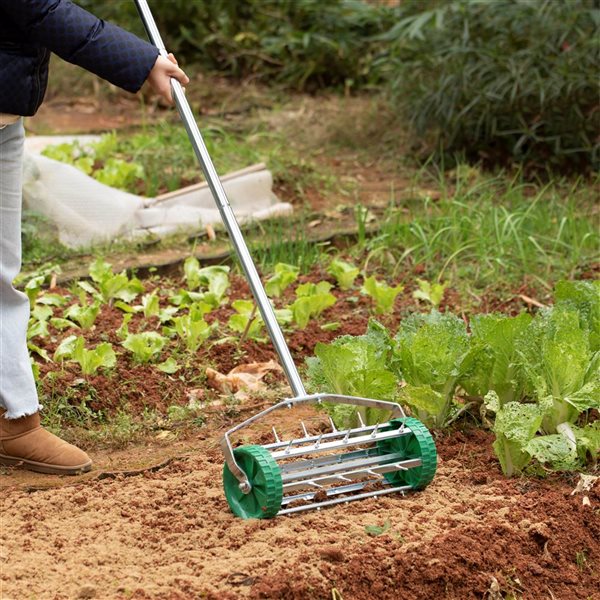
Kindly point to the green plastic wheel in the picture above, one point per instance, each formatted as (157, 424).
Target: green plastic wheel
(418, 444)
(264, 499)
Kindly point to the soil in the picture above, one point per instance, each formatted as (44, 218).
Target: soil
(168, 534)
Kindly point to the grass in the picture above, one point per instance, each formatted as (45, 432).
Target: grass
(490, 228)
(278, 241)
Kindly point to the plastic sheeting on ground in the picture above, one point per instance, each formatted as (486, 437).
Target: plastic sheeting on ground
(87, 212)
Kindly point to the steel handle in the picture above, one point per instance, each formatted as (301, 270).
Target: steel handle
(227, 215)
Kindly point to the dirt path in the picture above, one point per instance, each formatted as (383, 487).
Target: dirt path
(169, 534)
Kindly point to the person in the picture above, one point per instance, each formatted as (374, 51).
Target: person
(29, 31)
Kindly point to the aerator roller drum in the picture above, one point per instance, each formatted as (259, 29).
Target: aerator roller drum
(311, 471)
(314, 471)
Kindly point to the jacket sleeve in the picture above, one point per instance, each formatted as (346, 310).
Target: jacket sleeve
(79, 37)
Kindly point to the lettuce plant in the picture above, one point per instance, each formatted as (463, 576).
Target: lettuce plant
(109, 285)
(311, 300)
(90, 360)
(430, 292)
(382, 294)
(144, 346)
(432, 354)
(283, 277)
(562, 372)
(344, 273)
(355, 366)
(496, 364)
(83, 314)
(584, 296)
(214, 278)
(246, 320)
(515, 426)
(193, 330)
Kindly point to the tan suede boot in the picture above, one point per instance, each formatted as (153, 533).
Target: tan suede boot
(24, 442)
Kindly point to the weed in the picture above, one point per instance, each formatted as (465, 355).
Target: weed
(581, 560)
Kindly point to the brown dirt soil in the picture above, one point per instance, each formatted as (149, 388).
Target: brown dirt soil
(168, 534)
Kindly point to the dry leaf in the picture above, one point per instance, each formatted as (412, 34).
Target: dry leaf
(241, 379)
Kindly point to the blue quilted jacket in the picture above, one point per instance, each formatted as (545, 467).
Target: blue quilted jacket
(31, 29)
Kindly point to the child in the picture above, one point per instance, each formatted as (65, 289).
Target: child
(29, 31)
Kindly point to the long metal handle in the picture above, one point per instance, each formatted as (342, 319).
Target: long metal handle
(264, 305)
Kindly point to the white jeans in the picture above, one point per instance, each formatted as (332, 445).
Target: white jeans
(18, 394)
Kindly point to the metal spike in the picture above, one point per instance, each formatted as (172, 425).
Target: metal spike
(287, 450)
(375, 430)
(277, 440)
(318, 442)
(345, 440)
(304, 428)
(333, 427)
(360, 419)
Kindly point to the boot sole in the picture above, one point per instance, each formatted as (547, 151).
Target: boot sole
(38, 467)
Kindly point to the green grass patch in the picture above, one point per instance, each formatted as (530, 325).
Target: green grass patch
(489, 229)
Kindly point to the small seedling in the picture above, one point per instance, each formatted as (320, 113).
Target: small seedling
(375, 530)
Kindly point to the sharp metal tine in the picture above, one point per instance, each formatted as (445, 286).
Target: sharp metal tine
(375, 430)
(333, 427)
(276, 436)
(360, 419)
(345, 440)
(304, 428)
(318, 442)
(287, 450)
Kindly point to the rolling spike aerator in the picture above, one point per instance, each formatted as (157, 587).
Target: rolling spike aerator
(310, 471)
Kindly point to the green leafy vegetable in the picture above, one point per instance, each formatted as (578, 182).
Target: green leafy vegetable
(192, 329)
(355, 366)
(430, 292)
(344, 273)
(90, 360)
(556, 359)
(515, 427)
(284, 276)
(144, 346)
(246, 321)
(169, 366)
(311, 300)
(382, 294)
(215, 278)
(584, 296)
(85, 316)
(111, 286)
(433, 354)
(496, 361)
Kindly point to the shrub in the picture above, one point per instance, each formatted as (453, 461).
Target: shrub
(303, 43)
(508, 79)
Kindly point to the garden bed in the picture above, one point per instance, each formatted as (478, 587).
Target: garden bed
(152, 521)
